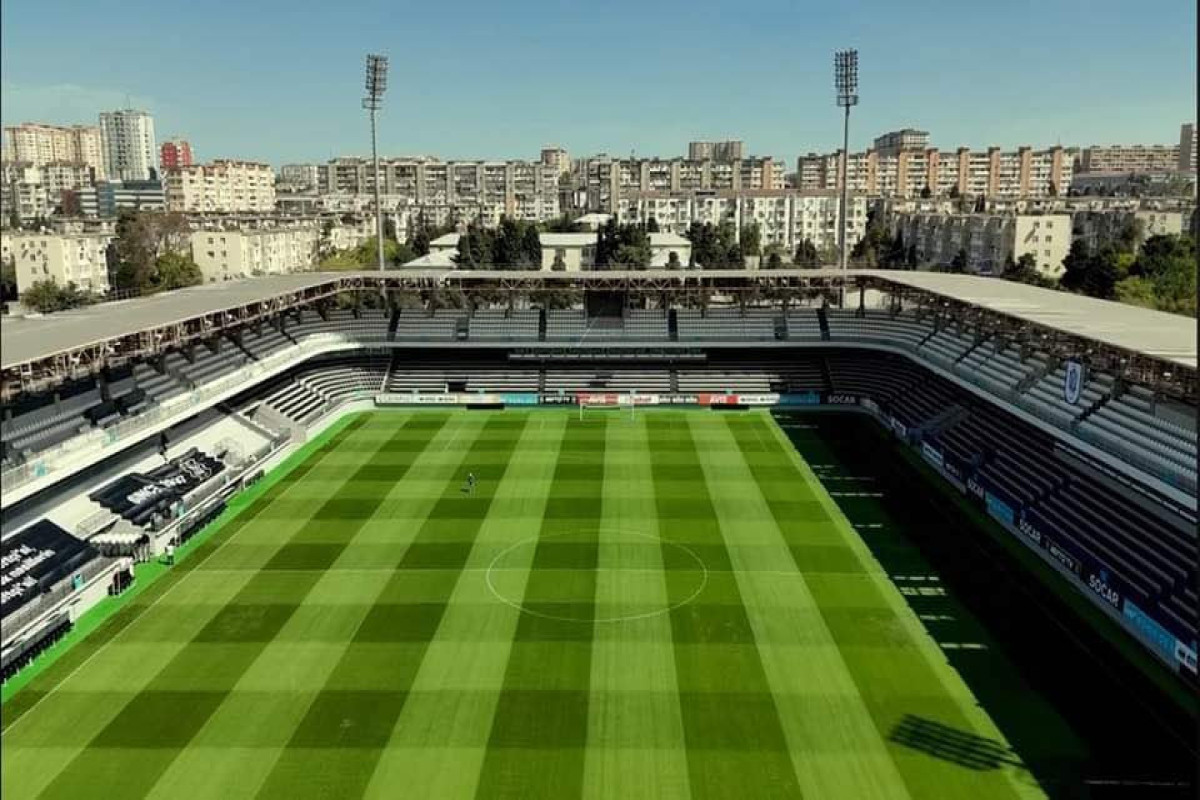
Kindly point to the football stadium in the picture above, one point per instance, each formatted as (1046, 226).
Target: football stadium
(652, 534)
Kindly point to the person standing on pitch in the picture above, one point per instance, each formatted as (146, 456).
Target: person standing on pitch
(470, 483)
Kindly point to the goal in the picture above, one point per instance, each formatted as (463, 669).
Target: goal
(619, 403)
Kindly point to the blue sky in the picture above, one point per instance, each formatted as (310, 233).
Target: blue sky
(282, 81)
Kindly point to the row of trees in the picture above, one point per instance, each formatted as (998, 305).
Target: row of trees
(395, 252)
(1161, 275)
(151, 253)
(513, 244)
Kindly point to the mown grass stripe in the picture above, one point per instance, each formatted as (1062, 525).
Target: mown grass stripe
(735, 741)
(158, 722)
(349, 724)
(540, 733)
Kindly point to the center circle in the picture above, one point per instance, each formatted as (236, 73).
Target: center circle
(616, 574)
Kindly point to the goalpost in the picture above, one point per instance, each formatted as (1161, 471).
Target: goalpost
(624, 402)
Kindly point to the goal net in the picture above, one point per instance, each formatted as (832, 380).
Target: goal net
(619, 403)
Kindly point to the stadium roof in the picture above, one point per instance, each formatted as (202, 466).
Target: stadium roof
(1152, 333)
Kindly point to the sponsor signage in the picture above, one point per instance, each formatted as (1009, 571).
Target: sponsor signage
(802, 399)
(1101, 582)
(679, 399)
(932, 455)
(835, 399)
(998, 508)
(1028, 531)
(976, 488)
(416, 399)
(1062, 556)
(558, 399)
(1185, 656)
(1149, 630)
(519, 399)
(1072, 382)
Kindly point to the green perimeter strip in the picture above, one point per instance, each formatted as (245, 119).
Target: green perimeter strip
(151, 573)
(538, 742)
(950, 681)
(189, 710)
(343, 733)
(735, 742)
(1153, 669)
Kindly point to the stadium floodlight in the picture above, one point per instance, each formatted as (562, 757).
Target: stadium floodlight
(845, 81)
(376, 85)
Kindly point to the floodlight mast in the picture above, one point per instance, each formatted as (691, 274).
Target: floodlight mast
(376, 85)
(845, 79)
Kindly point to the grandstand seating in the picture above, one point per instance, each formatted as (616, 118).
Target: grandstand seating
(414, 324)
(730, 324)
(646, 325)
(879, 327)
(604, 379)
(499, 324)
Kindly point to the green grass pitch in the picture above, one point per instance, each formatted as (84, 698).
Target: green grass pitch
(668, 606)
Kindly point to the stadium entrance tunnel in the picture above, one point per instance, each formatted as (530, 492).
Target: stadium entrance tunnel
(597, 576)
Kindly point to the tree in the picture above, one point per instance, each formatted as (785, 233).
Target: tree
(532, 248)
(1132, 232)
(774, 260)
(673, 260)
(869, 251)
(954, 193)
(47, 296)
(806, 254)
(622, 246)
(1136, 292)
(750, 240)
(559, 264)
(980, 204)
(1169, 263)
(926, 192)
(910, 257)
(175, 271)
(893, 256)
(563, 224)
(8, 281)
(141, 238)
(1024, 270)
(1092, 273)
(652, 225)
(714, 246)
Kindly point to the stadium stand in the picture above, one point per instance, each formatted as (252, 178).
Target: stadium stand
(499, 324)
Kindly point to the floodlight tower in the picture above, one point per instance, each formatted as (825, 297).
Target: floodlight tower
(376, 84)
(845, 80)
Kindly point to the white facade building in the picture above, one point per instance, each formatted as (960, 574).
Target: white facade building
(989, 241)
(783, 218)
(576, 251)
(80, 259)
(127, 141)
(225, 187)
(235, 254)
(35, 192)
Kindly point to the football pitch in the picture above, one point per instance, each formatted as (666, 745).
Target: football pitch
(661, 606)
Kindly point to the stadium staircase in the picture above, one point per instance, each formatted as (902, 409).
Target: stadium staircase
(825, 376)
(672, 327)
(541, 324)
(823, 320)
(945, 418)
(393, 323)
(238, 344)
(979, 342)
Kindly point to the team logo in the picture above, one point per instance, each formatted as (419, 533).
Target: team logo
(1073, 382)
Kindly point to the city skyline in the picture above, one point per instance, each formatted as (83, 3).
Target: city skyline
(763, 77)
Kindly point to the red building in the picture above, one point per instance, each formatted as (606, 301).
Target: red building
(174, 154)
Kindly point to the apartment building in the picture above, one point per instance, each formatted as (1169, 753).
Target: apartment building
(726, 150)
(1103, 227)
(37, 191)
(128, 145)
(224, 255)
(174, 154)
(576, 251)
(1128, 159)
(487, 190)
(987, 240)
(1024, 172)
(297, 177)
(607, 181)
(894, 142)
(222, 187)
(37, 144)
(784, 218)
(107, 198)
(1187, 148)
(557, 158)
(80, 259)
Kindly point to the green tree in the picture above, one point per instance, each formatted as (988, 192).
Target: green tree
(869, 251)
(652, 225)
(559, 264)
(806, 254)
(673, 261)
(8, 281)
(1024, 270)
(926, 192)
(1169, 263)
(141, 238)
(750, 240)
(1136, 292)
(42, 296)
(774, 260)
(175, 271)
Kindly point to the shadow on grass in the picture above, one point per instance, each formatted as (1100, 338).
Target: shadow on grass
(950, 744)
